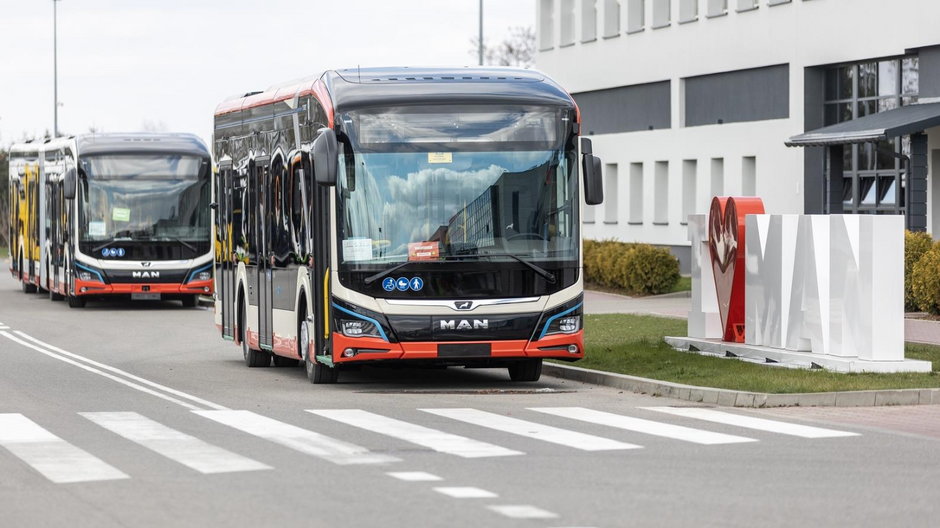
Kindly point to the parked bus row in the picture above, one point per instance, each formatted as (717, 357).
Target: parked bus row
(112, 215)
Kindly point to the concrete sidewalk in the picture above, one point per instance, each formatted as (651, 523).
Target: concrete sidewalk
(916, 328)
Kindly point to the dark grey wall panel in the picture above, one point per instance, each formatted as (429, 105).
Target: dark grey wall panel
(625, 109)
(814, 161)
(929, 71)
(744, 95)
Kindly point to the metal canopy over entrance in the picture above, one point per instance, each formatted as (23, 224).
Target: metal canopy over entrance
(903, 121)
(910, 121)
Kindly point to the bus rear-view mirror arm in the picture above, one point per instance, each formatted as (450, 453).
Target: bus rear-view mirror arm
(593, 180)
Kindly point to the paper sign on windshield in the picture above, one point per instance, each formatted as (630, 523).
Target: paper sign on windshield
(440, 157)
(121, 214)
(423, 251)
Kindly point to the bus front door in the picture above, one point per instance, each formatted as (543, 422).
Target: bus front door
(225, 261)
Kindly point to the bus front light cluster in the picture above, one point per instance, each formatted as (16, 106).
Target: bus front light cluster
(84, 275)
(203, 276)
(564, 325)
(358, 328)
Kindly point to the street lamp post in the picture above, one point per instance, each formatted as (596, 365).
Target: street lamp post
(480, 41)
(55, 72)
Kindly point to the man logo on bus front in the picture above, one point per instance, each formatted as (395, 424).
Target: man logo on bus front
(463, 305)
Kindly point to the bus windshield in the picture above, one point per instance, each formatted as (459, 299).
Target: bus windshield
(144, 197)
(426, 185)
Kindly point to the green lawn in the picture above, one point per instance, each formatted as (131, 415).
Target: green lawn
(633, 344)
(3, 252)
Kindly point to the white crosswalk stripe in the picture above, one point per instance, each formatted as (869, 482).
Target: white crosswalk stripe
(414, 476)
(466, 492)
(523, 511)
(415, 434)
(303, 440)
(640, 425)
(547, 433)
(175, 445)
(56, 459)
(750, 422)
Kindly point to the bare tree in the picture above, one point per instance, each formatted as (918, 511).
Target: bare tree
(517, 49)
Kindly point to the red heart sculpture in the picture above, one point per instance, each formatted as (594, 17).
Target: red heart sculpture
(726, 247)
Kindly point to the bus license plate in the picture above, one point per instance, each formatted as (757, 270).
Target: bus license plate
(145, 296)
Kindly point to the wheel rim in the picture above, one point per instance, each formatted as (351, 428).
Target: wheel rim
(304, 339)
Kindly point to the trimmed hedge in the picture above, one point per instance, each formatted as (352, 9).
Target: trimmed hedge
(925, 281)
(640, 269)
(916, 244)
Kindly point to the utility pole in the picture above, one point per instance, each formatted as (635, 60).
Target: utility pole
(480, 42)
(55, 72)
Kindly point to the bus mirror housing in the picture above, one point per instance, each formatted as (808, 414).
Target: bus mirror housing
(593, 180)
(69, 184)
(325, 152)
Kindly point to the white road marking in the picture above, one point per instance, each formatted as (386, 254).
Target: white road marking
(175, 445)
(303, 440)
(466, 492)
(751, 422)
(523, 511)
(640, 425)
(547, 433)
(56, 459)
(110, 372)
(414, 476)
(416, 434)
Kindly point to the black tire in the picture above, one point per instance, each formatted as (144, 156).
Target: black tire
(54, 295)
(76, 302)
(285, 362)
(189, 301)
(317, 372)
(253, 358)
(526, 370)
(28, 287)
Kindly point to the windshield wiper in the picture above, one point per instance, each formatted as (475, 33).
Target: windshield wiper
(542, 272)
(102, 246)
(183, 242)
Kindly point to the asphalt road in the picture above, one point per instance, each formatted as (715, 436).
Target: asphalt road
(138, 414)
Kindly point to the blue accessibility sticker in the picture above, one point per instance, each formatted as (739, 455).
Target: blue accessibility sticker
(120, 252)
(402, 284)
(105, 252)
(416, 283)
(113, 252)
(388, 284)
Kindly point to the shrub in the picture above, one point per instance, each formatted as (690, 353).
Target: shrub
(925, 281)
(915, 245)
(640, 269)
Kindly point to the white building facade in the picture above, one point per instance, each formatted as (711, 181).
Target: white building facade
(689, 99)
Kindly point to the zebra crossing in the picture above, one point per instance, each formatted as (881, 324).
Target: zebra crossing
(36, 444)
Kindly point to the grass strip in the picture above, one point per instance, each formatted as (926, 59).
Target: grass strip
(633, 345)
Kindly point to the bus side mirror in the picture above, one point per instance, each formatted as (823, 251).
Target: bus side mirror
(69, 184)
(593, 180)
(325, 152)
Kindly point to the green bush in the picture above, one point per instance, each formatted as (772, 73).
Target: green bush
(915, 245)
(640, 269)
(925, 281)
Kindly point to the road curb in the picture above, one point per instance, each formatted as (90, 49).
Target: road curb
(733, 398)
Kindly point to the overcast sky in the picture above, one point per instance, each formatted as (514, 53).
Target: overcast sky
(128, 65)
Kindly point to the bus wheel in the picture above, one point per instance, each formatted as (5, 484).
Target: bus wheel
(76, 302)
(281, 361)
(317, 373)
(253, 358)
(189, 301)
(54, 295)
(28, 287)
(526, 370)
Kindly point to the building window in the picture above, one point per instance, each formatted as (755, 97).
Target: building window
(636, 193)
(636, 15)
(567, 23)
(611, 18)
(873, 174)
(688, 10)
(717, 8)
(749, 176)
(610, 193)
(747, 5)
(689, 188)
(546, 24)
(661, 189)
(588, 20)
(661, 13)
(718, 178)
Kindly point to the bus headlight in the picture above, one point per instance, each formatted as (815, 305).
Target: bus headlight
(203, 276)
(84, 275)
(358, 328)
(564, 325)
(564, 319)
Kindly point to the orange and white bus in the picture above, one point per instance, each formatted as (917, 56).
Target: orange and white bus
(105, 215)
(402, 216)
